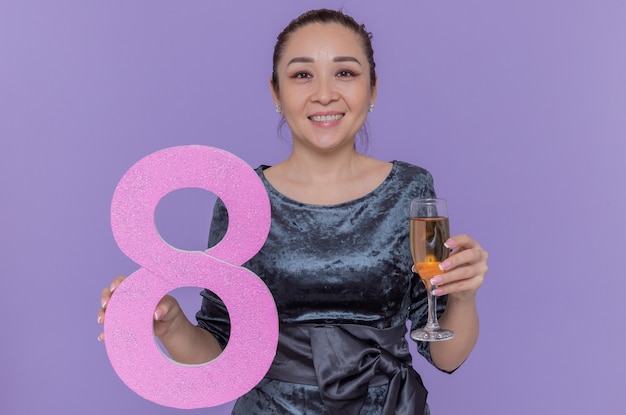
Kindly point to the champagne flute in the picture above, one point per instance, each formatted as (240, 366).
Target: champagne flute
(429, 230)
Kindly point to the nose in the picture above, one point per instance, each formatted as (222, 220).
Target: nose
(325, 91)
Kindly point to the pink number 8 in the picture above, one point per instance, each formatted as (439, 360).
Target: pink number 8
(130, 342)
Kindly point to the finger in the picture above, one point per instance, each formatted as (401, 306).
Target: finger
(106, 292)
(116, 282)
(463, 241)
(464, 271)
(469, 285)
(465, 257)
(164, 308)
(159, 312)
(105, 295)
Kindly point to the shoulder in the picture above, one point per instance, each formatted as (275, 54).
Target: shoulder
(411, 172)
(412, 181)
(259, 170)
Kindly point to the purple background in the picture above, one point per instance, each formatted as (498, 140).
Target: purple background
(517, 108)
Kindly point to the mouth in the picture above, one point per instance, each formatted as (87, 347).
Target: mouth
(326, 118)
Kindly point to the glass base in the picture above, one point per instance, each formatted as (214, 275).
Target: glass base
(436, 335)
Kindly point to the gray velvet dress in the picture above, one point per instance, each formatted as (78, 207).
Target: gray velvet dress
(333, 266)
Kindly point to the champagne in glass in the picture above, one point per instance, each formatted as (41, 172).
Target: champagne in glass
(429, 230)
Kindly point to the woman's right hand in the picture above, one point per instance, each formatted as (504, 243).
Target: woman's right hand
(166, 314)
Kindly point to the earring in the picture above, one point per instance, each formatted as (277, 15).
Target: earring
(371, 108)
(279, 109)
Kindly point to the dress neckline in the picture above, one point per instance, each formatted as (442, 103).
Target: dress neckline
(271, 189)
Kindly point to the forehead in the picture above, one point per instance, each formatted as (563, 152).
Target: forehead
(318, 40)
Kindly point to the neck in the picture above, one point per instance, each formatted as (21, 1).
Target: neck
(327, 178)
(322, 167)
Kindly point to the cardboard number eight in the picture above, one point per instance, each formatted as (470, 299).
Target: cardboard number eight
(128, 327)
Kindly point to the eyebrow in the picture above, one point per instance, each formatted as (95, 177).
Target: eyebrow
(346, 59)
(335, 59)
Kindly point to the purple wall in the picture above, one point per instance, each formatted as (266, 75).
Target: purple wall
(518, 109)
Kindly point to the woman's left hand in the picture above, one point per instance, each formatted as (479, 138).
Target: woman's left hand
(465, 268)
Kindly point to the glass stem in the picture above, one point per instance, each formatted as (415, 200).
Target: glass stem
(432, 323)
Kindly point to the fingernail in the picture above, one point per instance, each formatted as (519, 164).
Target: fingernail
(444, 265)
(157, 315)
(99, 319)
(99, 337)
(436, 291)
(435, 280)
(112, 287)
(450, 243)
(103, 302)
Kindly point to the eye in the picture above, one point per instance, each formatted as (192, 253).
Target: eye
(345, 74)
(301, 75)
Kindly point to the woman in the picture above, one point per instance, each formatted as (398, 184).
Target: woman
(337, 253)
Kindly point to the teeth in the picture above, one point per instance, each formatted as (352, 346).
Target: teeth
(325, 118)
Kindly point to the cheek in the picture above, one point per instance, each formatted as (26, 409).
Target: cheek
(361, 96)
(361, 102)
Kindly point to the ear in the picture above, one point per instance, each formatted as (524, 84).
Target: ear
(374, 91)
(274, 92)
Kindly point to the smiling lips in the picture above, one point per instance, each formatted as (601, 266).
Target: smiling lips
(325, 118)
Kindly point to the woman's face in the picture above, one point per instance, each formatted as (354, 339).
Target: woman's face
(324, 86)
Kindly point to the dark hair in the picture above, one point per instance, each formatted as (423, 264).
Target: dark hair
(324, 16)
